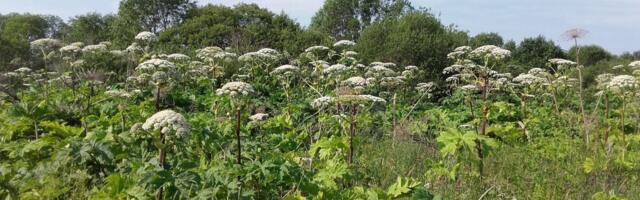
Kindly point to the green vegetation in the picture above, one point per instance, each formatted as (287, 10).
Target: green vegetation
(375, 100)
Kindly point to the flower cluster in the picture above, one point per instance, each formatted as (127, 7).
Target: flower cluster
(46, 43)
(167, 122)
(426, 88)
(285, 70)
(146, 37)
(236, 88)
(96, 48)
(133, 48)
(335, 69)
(316, 49)
(356, 81)
(379, 71)
(155, 64)
(342, 44)
(529, 79)
(258, 117)
(623, 83)
(562, 63)
(491, 52)
(459, 52)
(321, 102)
(178, 57)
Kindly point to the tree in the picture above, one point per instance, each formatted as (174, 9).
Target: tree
(90, 28)
(416, 38)
(344, 19)
(245, 27)
(148, 15)
(482, 39)
(15, 34)
(535, 52)
(591, 54)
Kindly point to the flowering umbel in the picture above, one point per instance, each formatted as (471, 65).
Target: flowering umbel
(169, 123)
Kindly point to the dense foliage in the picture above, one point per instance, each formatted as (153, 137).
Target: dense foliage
(177, 101)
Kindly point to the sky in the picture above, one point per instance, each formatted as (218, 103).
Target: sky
(612, 24)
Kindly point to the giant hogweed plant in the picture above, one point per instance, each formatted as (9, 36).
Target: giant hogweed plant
(473, 69)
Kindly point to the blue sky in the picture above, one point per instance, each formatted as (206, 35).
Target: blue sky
(613, 24)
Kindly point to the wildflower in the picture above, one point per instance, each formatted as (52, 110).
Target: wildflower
(285, 70)
(355, 81)
(146, 37)
(562, 63)
(528, 79)
(459, 52)
(258, 117)
(133, 48)
(236, 88)
(116, 53)
(391, 82)
(316, 49)
(167, 122)
(379, 71)
(270, 52)
(155, 64)
(411, 67)
(335, 69)
(635, 64)
(425, 88)
(469, 88)
(176, 57)
(342, 44)
(23, 70)
(71, 49)
(94, 48)
(322, 102)
(46, 43)
(623, 83)
(350, 53)
(617, 67)
(492, 52)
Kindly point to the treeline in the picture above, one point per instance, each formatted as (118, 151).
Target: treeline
(385, 30)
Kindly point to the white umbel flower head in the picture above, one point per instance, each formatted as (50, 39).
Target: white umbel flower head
(285, 70)
(133, 48)
(155, 64)
(492, 52)
(322, 102)
(258, 117)
(469, 88)
(316, 49)
(356, 81)
(71, 49)
(635, 64)
(169, 123)
(46, 43)
(459, 52)
(379, 71)
(96, 48)
(178, 57)
(528, 79)
(342, 44)
(426, 88)
(146, 37)
(23, 70)
(236, 88)
(562, 63)
(335, 69)
(623, 83)
(208, 53)
(618, 67)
